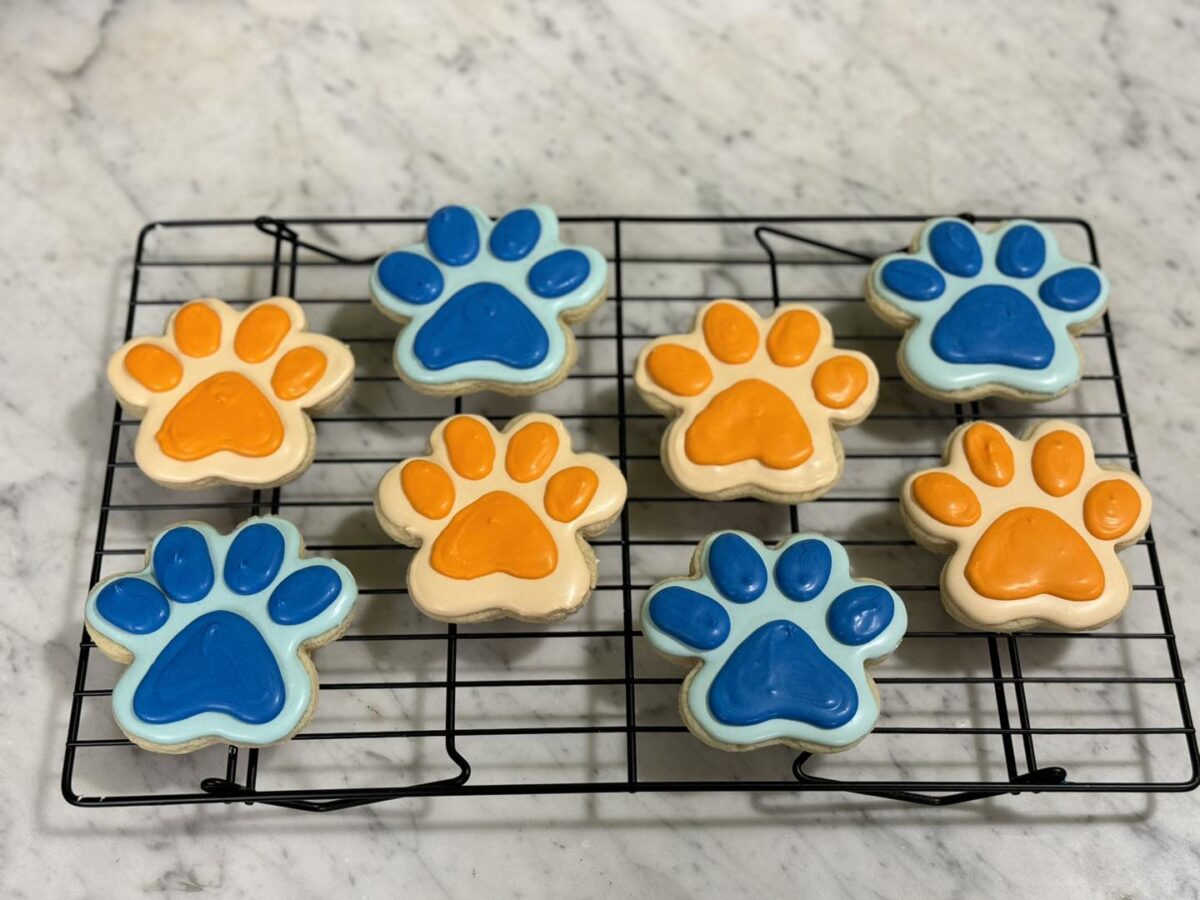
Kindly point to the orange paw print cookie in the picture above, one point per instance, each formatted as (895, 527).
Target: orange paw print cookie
(499, 519)
(1033, 527)
(222, 395)
(757, 401)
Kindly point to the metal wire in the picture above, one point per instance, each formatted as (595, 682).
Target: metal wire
(1015, 712)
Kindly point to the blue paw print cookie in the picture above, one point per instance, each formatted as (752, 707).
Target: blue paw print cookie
(217, 631)
(987, 312)
(781, 637)
(488, 305)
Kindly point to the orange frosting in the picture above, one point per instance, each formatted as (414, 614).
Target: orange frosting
(988, 454)
(1058, 462)
(261, 332)
(1110, 509)
(530, 451)
(197, 330)
(153, 367)
(1030, 551)
(569, 492)
(681, 371)
(496, 533)
(840, 381)
(428, 488)
(946, 499)
(470, 447)
(224, 412)
(297, 371)
(793, 337)
(731, 335)
(750, 420)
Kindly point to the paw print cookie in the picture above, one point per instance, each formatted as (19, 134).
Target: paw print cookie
(500, 519)
(223, 395)
(488, 306)
(987, 312)
(755, 402)
(217, 631)
(780, 639)
(1032, 527)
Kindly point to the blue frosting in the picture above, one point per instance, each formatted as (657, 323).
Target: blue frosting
(803, 569)
(860, 614)
(689, 617)
(508, 333)
(224, 661)
(412, 278)
(182, 566)
(254, 558)
(515, 236)
(453, 235)
(782, 656)
(304, 595)
(1007, 325)
(218, 663)
(737, 570)
(778, 672)
(133, 604)
(482, 322)
(994, 324)
(955, 249)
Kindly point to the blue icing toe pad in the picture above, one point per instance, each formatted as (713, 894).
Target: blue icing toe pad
(486, 304)
(987, 312)
(217, 627)
(781, 636)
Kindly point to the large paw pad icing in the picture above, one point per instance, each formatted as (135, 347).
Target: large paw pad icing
(217, 631)
(498, 518)
(756, 401)
(781, 638)
(222, 394)
(987, 312)
(487, 303)
(1033, 526)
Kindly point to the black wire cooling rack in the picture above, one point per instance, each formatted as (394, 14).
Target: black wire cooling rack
(413, 708)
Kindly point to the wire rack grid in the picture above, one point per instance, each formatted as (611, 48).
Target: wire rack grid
(412, 708)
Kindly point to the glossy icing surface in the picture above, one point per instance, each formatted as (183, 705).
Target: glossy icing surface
(988, 307)
(1035, 526)
(755, 400)
(496, 517)
(485, 301)
(781, 636)
(222, 394)
(216, 625)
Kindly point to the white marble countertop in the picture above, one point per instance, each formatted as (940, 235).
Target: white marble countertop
(119, 113)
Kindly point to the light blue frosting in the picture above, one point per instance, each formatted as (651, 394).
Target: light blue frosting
(745, 617)
(284, 641)
(930, 369)
(512, 275)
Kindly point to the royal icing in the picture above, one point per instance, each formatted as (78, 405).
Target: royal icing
(487, 303)
(987, 312)
(222, 394)
(1034, 525)
(756, 401)
(498, 518)
(780, 638)
(216, 630)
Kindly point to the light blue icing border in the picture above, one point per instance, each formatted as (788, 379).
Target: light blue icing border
(745, 618)
(284, 641)
(511, 275)
(917, 349)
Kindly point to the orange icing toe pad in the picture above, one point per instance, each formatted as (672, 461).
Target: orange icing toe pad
(1032, 526)
(223, 394)
(498, 519)
(755, 402)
